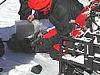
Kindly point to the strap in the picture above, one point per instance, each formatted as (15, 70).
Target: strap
(3, 2)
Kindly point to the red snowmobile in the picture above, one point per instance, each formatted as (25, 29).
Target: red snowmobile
(87, 35)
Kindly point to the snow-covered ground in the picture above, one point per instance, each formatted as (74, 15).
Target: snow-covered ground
(20, 63)
(8, 13)
(84, 2)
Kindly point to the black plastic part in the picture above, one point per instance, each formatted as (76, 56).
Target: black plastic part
(36, 69)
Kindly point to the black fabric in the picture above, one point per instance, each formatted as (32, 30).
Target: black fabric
(36, 69)
(24, 10)
(2, 51)
(26, 46)
(24, 17)
(55, 54)
(40, 15)
(14, 44)
(40, 45)
(34, 44)
(17, 45)
(62, 12)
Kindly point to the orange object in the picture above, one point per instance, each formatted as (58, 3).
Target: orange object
(39, 4)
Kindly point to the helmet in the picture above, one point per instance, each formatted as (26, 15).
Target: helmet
(38, 4)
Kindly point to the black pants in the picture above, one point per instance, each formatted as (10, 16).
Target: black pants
(23, 17)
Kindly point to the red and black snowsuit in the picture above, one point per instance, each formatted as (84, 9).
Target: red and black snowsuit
(62, 11)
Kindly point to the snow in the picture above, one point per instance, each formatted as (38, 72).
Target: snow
(85, 2)
(76, 59)
(20, 63)
(49, 66)
(8, 13)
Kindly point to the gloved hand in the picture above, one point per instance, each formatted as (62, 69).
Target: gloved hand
(56, 51)
(55, 55)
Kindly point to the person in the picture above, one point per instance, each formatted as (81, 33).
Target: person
(2, 51)
(24, 10)
(59, 13)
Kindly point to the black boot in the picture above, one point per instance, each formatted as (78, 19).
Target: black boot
(2, 51)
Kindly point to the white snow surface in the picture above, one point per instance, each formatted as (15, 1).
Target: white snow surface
(21, 64)
(8, 12)
(49, 66)
(84, 2)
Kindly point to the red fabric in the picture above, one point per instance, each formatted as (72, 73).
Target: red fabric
(46, 10)
(50, 34)
(96, 1)
(75, 33)
(38, 4)
(86, 8)
(81, 20)
(57, 47)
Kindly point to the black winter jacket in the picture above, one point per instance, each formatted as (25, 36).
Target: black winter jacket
(24, 9)
(61, 13)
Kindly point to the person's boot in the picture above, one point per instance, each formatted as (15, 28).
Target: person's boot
(2, 51)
